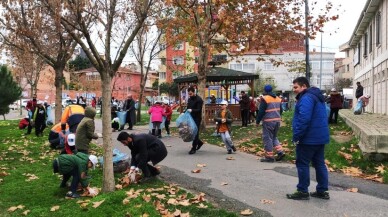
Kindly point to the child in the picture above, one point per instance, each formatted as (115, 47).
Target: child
(69, 146)
(157, 113)
(24, 123)
(39, 118)
(168, 112)
(116, 124)
(224, 121)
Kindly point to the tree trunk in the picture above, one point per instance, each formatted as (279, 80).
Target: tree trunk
(58, 94)
(138, 116)
(108, 176)
(202, 71)
(4, 117)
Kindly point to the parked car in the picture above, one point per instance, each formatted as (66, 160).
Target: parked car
(24, 102)
(14, 106)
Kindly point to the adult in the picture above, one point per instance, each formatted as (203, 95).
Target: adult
(75, 166)
(194, 106)
(270, 112)
(336, 102)
(129, 107)
(30, 107)
(359, 90)
(244, 108)
(85, 131)
(144, 148)
(81, 101)
(94, 102)
(310, 134)
(252, 110)
(213, 99)
(72, 115)
(56, 136)
(39, 118)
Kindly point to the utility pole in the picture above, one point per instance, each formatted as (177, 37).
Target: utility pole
(307, 41)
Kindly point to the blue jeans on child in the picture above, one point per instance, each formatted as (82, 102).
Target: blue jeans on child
(227, 140)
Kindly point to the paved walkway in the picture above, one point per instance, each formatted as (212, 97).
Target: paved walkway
(250, 181)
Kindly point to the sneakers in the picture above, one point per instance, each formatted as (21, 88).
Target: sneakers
(192, 151)
(267, 160)
(280, 156)
(229, 151)
(322, 195)
(298, 195)
(234, 148)
(72, 195)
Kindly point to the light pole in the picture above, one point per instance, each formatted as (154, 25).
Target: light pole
(307, 41)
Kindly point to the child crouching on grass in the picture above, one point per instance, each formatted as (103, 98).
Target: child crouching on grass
(224, 119)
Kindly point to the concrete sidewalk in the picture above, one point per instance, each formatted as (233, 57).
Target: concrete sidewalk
(250, 181)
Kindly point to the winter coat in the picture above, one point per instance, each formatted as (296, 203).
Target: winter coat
(72, 115)
(140, 147)
(40, 115)
(67, 163)
(157, 113)
(263, 114)
(129, 106)
(244, 102)
(359, 91)
(195, 103)
(168, 112)
(85, 131)
(228, 117)
(335, 101)
(252, 106)
(310, 125)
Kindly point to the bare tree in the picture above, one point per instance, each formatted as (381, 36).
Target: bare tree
(27, 22)
(145, 50)
(114, 27)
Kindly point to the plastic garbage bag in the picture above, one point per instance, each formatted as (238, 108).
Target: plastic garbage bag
(358, 108)
(327, 109)
(186, 127)
(122, 117)
(117, 156)
(50, 117)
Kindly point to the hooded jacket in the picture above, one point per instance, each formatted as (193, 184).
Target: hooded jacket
(66, 164)
(85, 130)
(310, 125)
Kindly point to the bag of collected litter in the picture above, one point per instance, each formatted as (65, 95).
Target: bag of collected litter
(120, 161)
(358, 108)
(50, 117)
(122, 118)
(186, 127)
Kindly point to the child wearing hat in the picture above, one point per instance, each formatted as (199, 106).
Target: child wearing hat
(75, 166)
(157, 113)
(224, 119)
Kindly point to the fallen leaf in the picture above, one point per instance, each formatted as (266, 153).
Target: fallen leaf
(354, 190)
(224, 183)
(84, 205)
(202, 206)
(230, 158)
(172, 201)
(201, 165)
(26, 212)
(13, 208)
(246, 212)
(196, 171)
(177, 213)
(265, 201)
(380, 169)
(147, 198)
(54, 208)
(145, 215)
(347, 156)
(119, 187)
(125, 201)
(184, 203)
(98, 203)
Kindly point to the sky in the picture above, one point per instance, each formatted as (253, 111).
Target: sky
(338, 32)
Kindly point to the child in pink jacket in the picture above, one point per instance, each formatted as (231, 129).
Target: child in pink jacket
(157, 113)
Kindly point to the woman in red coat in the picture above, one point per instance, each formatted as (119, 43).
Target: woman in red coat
(335, 105)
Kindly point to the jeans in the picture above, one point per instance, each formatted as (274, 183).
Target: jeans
(315, 154)
(74, 182)
(333, 111)
(225, 136)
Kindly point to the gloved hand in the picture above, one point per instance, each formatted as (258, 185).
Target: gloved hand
(190, 110)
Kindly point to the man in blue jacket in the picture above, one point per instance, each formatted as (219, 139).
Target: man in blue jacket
(310, 134)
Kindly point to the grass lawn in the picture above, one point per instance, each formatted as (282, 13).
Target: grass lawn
(342, 155)
(28, 185)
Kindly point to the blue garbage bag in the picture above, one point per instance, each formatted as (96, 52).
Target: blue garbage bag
(150, 125)
(122, 117)
(50, 117)
(358, 108)
(186, 127)
(117, 156)
(327, 109)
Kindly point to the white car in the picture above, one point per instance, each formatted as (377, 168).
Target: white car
(14, 106)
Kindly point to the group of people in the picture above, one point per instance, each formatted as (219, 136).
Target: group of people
(36, 117)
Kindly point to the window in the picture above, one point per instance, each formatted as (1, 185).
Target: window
(92, 76)
(378, 29)
(219, 58)
(246, 67)
(347, 68)
(236, 66)
(315, 65)
(163, 61)
(370, 38)
(365, 44)
(269, 66)
(178, 46)
(178, 60)
(162, 75)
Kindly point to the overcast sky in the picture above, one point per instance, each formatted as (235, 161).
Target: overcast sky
(338, 32)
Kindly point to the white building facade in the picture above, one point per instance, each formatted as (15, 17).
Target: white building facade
(369, 44)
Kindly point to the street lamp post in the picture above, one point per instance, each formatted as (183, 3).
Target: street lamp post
(307, 41)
